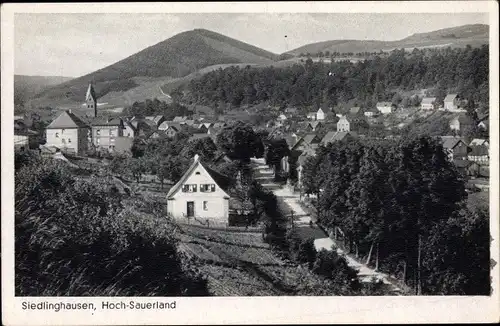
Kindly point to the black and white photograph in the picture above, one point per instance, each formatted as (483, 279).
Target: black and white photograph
(176, 155)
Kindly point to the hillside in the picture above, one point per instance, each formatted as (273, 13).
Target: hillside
(27, 86)
(460, 36)
(175, 57)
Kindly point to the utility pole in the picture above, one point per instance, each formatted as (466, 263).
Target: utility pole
(293, 226)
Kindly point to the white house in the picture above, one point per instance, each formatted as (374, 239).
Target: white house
(129, 130)
(451, 102)
(428, 103)
(320, 115)
(371, 113)
(199, 194)
(343, 125)
(68, 133)
(384, 107)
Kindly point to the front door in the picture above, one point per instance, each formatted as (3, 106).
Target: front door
(190, 209)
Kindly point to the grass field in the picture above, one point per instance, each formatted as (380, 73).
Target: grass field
(241, 264)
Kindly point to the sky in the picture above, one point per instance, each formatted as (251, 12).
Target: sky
(73, 45)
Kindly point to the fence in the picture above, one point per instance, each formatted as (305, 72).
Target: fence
(214, 224)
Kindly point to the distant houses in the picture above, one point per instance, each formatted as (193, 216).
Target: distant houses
(385, 107)
(455, 147)
(451, 102)
(460, 122)
(428, 103)
(343, 125)
(318, 115)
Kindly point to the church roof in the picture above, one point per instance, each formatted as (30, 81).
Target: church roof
(90, 93)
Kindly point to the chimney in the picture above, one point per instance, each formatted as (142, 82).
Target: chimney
(196, 157)
(69, 111)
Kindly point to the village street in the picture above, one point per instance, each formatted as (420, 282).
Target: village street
(302, 221)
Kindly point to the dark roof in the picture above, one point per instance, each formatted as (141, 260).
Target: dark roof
(479, 150)
(104, 121)
(449, 142)
(67, 119)
(311, 138)
(463, 163)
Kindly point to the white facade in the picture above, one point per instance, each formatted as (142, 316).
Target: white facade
(320, 115)
(384, 109)
(68, 139)
(128, 131)
(197, 195)
(343, 125)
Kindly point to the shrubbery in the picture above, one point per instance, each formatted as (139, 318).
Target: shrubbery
(74, 238)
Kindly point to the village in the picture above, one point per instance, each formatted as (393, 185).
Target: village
(69, 135)
(202, 165)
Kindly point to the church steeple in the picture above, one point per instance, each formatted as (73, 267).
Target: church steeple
(91, 99)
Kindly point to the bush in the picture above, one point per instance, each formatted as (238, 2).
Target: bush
(335, 268)
(307, 252)
(73, 238)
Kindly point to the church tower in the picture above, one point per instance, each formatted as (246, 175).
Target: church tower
(91, 99)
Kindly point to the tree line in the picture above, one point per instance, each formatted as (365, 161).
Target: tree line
(317, 84)
(401, 207)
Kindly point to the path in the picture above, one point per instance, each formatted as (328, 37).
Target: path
(302, 220)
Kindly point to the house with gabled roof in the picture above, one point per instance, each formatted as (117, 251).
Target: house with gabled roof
(343, 125)
(385, 107)
(484, 122)
(179, 119)
(68, 132)
(314, 126)
(451, 102)
(129, 130)
(455, 147)
(104, 132)
(460, 122)
(201, 193)
(157, 119)
(171, 131)
(355, 110)
(428, 103)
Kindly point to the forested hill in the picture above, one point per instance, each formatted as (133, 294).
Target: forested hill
(475, 35)
(177, 56)
(464, 71)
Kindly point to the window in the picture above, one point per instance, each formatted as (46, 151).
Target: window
(189, 188)
(57, 135)
(111, 132)
(69, 140)
(207, 187)
(205, 205)
(98, 132)
(97, 141)
(62, 131)
(197, 173)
